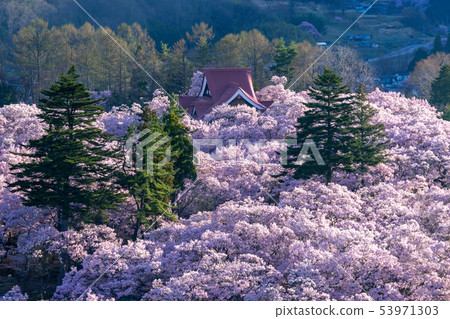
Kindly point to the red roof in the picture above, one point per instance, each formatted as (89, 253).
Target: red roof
(224, 85)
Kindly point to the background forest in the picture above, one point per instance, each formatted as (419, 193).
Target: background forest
(194, 34)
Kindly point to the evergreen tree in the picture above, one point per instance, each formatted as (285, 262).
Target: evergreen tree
(284, 58)
(67, 171)
(201, 35)
(7, 94)
(437, 45)
(182, 149)
(152, 184)
(328, 124)
(368, 145)
(440, 92)
(419, 55)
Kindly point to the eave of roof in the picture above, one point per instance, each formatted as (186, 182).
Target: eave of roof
(224, 85)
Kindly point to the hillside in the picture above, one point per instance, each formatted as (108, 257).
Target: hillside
(168, 21)
(248, 235)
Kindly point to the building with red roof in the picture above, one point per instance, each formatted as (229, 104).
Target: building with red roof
(223, 86)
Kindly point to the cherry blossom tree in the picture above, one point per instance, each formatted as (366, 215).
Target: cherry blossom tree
(247, 235)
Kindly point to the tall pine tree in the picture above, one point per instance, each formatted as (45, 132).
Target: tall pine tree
(284, 57)
(328, 124)
(67, 169)
(440, 89)
(151, 185)
(182, 148)
(370, 141)
(437, 45)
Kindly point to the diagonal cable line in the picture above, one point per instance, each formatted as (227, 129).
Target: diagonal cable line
(328, 49)
(261, 187)
(127, 53)
(128, 249)
(115, 261)
(153, 79)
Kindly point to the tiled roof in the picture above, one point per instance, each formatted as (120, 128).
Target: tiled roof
(223, 84)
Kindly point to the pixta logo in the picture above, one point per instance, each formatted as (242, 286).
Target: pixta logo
(308, 151)
(141, 151)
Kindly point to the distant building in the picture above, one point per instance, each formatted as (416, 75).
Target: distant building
(223, 86)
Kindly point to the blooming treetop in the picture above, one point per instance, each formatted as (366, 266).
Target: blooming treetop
(250, 237)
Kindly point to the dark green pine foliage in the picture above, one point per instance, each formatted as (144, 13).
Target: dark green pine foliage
(328, 123)
(7, 94)
(284, 58)
(437, 45)
(182, 148)
(419, 55)
(68, 169)
(370, 140)
(151, 185)
(440, 89)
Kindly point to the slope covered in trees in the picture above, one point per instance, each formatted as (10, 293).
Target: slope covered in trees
(378, 235)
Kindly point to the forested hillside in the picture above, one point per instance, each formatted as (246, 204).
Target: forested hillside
(166, 21)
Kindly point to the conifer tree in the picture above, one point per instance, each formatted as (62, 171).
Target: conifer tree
(7, 94)
(368, 145)
(182, 148)
(328, 124)
(419, 55)
(68, 169)
(440, 89)
(284, 57)
(437, 45)
(152, 184)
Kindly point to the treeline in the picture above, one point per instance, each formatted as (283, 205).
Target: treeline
(39, 54)
(166, 21)
(124, 61)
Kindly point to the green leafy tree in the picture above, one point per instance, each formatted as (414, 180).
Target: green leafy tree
(32, 52)
(325, 129)
(440, 89)
(437, 45)
(178, 69)
(139, 80)
(226, 52)
(369, 143)
(255, 51)
(201, 36)
(68, 170)
(285, 56)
